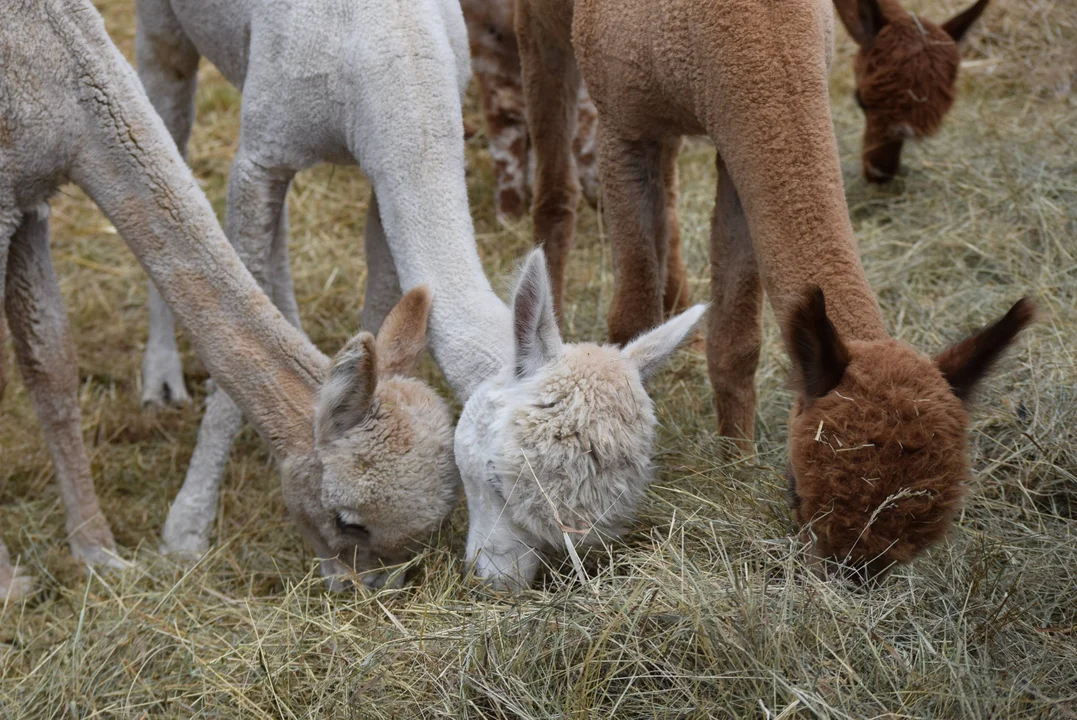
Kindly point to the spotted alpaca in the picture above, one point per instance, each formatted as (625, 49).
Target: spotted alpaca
(877, 431)
(495, 60)
(906, 75)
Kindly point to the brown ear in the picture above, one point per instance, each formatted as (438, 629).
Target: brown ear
(818, 354)
(403, 334)
(958, 25)
(966, 363)
(347, 396)
(862, 18)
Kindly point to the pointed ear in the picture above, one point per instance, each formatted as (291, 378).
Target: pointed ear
(958, 25)
(650, 351)
(402, 337)
(347, 396)
(818, 354)
(966, 363)
(862, 18)
(536, 337)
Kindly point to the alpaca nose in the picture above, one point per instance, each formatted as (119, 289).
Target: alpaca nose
(881, 161)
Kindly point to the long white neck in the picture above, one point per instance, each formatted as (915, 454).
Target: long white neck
(408, 136)
(130, 167)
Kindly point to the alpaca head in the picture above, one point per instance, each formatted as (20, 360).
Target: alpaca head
(384, 441)
(572, 430)
(877, 436)
(906, 70)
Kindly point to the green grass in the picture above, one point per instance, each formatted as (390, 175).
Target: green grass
(705, 608)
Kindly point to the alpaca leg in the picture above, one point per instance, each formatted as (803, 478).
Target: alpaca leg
(168, 69)
(49, 368)
(735, 322)
(280, 271)
(256, 197)
(585, 147)
(635, 198)
(496, 64)
(382, 283)
(677, 295)
(551, 84)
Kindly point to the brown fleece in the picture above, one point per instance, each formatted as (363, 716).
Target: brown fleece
(882, 478)
(906, 70)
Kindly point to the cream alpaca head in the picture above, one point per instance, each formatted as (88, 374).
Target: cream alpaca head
(560, 442)
(384, 440)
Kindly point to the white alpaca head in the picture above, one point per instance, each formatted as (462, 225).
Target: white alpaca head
(561, 440)
(384, 440)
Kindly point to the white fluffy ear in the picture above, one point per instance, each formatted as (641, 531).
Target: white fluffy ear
(536, 337)
(348, 394)
(650, 351)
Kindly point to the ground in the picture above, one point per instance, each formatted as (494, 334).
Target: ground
(705, 608)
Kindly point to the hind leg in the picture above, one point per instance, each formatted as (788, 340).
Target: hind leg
(382, 283)
(735, 319)
(636, 213)
(677, 296)
(49, 368)
(168, 68)
(551, 84)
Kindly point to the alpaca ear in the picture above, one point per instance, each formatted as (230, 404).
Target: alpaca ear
(402, 337)
(650, 351)
(862, 18)
(966, 363)
(958, 25)
(347, 396)
(536, 337)
(818, 354)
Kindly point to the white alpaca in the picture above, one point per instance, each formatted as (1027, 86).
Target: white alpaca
(365, 82)
(558, 444)
(366, 454)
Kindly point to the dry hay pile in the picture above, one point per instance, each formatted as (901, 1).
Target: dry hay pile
(704, 610)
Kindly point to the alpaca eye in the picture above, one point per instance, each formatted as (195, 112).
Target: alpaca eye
(353, 529)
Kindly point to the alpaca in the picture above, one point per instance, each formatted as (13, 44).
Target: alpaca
(365, 453)
(906, 74)
(496, 62)
(361, 83)
(877, 431)
(560, 440)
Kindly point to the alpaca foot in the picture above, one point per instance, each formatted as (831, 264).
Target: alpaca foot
(162, 379)
(15, 584)
(92, 544)
(187, 529)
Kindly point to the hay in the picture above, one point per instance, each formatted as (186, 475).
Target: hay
(704, 610)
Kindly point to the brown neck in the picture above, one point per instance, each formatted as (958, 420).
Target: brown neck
(130, 167)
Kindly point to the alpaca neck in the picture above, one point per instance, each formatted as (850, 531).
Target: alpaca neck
(131, 168)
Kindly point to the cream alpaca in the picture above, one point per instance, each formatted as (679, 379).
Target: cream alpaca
(559, 443)
(752, 76)
(361, 82)
(98, 130)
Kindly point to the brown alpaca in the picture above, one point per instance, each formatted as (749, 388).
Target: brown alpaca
(877, 432)
(906, 70)
(495, 59)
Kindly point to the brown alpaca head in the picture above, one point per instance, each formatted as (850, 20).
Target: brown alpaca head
(906, 71)
(877, 436)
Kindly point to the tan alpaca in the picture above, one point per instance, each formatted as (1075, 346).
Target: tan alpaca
(906, 75)
(752, 76)
(366, 459)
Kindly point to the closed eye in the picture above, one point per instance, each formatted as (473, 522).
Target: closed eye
(354, 530)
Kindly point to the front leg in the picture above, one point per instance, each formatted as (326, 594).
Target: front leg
(735, 318)
(47, 361)
(636, 213)
(256, 196)
(168, 68)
